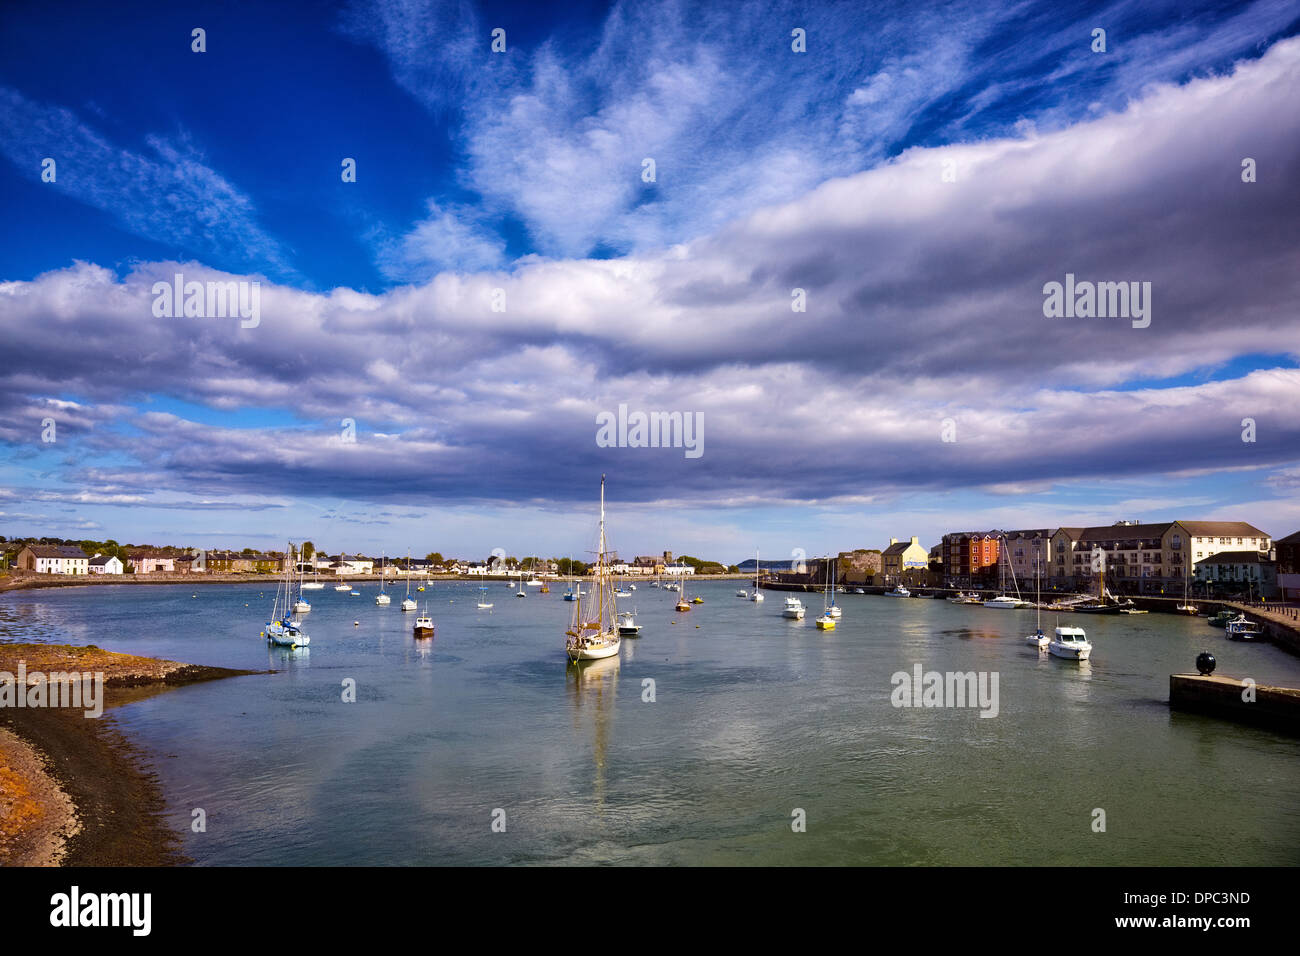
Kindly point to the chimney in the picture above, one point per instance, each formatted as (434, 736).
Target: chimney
(893, 541)
(914, 540)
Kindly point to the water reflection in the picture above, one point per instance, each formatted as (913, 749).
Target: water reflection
(297, 656)
(592, 686)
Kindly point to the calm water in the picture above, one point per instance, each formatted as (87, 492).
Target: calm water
(755, 716)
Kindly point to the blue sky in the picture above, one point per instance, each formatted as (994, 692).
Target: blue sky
(522, 171)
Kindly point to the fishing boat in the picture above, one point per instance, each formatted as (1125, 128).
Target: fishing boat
(483, 602)
(627, 625)
(1038, 639)
(899, 591)
(757, 596)
(1220, 619)
(423, 623)
(408, 604)
(592, 633)
(794, 609)
(382, 597)
(1070, 643)
(1240, 628)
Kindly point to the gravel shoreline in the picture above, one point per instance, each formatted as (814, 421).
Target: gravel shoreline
(76, 791)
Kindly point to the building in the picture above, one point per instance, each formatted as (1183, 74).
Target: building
(1146, 558)
(678, 569)
(239, 562)
(1288, 566)
(54, 559)
(1028, 554)
(970, 558)
(344, 564)
(904, 562)
(152, 562)
(1247, 573)
(861, 566)
(105, 564)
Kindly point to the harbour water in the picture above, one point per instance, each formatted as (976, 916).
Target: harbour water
(753, 716)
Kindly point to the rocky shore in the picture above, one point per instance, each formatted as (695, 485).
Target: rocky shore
(74, 791)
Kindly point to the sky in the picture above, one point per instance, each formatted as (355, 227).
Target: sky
(822, 233)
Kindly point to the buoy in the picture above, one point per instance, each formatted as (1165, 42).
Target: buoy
(356, 623)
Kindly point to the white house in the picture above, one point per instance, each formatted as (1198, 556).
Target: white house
(105, 564)
(671, 569)
(53, 559)
(346, 565)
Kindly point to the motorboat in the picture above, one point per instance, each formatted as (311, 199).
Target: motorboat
(794, 609)
(423, 624)
(899, 591)
(1070, 643)
(1002, 602)
(1242, 629)
(627, 625)
(742, 593)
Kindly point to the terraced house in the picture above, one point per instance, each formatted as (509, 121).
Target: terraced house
(54, 559)
(1151, 558)
(970, 558)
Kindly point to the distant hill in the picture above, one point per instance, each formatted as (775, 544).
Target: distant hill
(767, 565)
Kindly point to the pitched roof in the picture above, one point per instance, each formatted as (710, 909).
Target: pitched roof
(56, 551)
(1125, 532)
(1235, 529)
(898, 547)
(1236, 557)
(102, 559)
(1292, 538)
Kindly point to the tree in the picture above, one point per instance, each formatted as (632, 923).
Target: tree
(308, 549)
(434, 558)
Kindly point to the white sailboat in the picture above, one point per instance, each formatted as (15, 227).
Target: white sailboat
(483, 602)
(1187, 607)
(1038, 639)
(592, 634)
(300, 606)
(757, 596)
(408, 604)
(283, 630)
(826, 622)
(382, 597)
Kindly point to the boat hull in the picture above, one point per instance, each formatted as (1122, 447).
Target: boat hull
(593, 652)
(423, 631)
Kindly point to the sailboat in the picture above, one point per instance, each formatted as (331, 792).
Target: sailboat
(834, 610)
(283, 630)
(521, 592)
(826, 622)
(1187, 607)
(757, 596)
(1038, 639)
(592, 634)
(483, 602)
(408, 604)
(382, 597)
(315, 584)
(300, 606)
(1004, 601)
(682, 605)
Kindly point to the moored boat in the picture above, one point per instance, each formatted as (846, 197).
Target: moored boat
(593, 634)
(1070, 643)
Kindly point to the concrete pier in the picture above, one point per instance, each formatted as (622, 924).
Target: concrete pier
(1227, 697)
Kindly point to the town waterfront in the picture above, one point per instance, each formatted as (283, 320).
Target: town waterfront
(754, 716)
